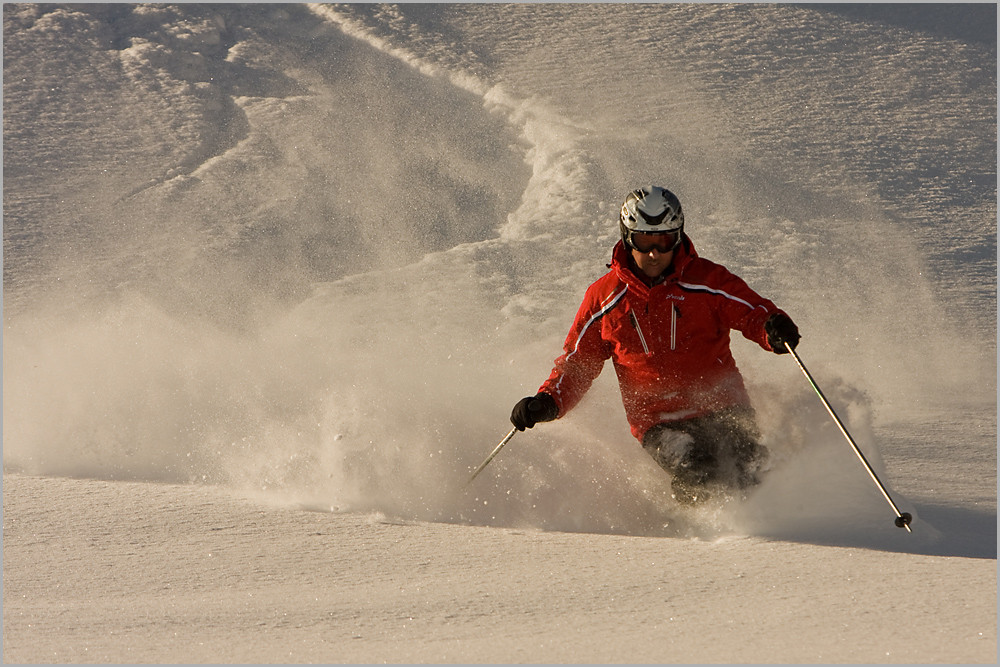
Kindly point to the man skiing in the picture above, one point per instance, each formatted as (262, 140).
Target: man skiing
(663, 314)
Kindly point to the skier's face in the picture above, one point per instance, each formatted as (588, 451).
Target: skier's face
(654, 262)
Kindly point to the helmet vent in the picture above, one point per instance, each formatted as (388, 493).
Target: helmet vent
(656, 220)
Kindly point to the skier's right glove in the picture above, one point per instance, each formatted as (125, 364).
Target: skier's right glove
(533, 409)
(780, 329)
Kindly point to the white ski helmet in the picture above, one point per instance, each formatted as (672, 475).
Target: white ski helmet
(651, 210)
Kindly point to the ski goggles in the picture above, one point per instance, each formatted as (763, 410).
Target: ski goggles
(648, 241)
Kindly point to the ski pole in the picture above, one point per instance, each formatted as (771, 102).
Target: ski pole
(903, 519)
(496, 450)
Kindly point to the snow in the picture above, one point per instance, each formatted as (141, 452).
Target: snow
(274, 276)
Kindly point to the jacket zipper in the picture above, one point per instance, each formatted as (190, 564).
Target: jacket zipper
(638, 330)
(673, 327)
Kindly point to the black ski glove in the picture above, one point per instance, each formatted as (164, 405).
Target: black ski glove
(533, 409)
(781, 329)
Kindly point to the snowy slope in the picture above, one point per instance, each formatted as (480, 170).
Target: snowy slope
(266, 259)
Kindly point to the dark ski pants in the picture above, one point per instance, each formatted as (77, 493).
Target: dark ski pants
(721, 448)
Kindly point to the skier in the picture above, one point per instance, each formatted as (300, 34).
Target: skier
(663, 314)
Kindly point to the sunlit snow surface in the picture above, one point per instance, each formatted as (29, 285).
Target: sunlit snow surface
(316, 253)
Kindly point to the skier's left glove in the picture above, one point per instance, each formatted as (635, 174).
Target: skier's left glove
(780, 330)
(533, 409)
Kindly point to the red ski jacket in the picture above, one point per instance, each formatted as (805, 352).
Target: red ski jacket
(669, 343)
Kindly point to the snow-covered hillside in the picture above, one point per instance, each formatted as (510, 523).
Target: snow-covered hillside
(275, 274)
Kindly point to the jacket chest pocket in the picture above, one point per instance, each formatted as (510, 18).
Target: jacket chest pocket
(638, 329)
(660, 333)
